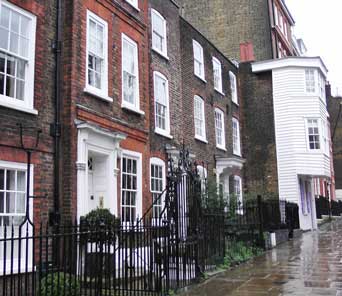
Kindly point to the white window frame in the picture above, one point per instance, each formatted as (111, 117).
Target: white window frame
(203, 137)
(158, 162)
(134, 3)
(164, 132)
(320, 135)
(138, 206)
(276, 16)
(135, 107)
(103, 92)
(236, 146)
(199, 60)
(162, 53)
(308, 79)
(239, 197)
(22, 167)
(233, 88)
(221, 146)
(217, 65)
(27, 105)
(321, 87)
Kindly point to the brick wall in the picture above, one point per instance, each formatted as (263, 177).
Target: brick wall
(192, 85)
(121, 18)
(260, 170)
(230, 22)
(42, 160)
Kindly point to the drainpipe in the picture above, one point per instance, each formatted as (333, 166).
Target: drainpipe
(56, 126)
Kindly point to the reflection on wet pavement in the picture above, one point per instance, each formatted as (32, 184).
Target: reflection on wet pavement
(311, 265)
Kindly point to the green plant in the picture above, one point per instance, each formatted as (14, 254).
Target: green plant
(100, 222)
(212, 198)
(59, 283)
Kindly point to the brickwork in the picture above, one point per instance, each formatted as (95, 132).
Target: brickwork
(228, 23)
(121, 18)
(42, 160)
(192, 85)
(259, 144)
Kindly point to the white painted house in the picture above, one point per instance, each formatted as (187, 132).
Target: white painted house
(301, 129)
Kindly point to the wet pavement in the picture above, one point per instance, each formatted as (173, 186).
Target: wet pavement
(311, 265)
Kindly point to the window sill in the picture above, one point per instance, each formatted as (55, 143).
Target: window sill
(98, 95)
(237, 154)
(18, 107)
(220, 92)
(163, 133)
(132, 109)
(204, 140)
(221, 148)
(163, 55)
(201, 78)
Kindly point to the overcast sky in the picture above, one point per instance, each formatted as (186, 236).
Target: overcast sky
(318, 23)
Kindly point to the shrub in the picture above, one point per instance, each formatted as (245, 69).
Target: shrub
(59, 283)
(100, 221)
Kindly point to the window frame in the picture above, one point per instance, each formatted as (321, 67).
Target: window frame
(138, 206)
(239, 197)
(315, 80)
(162, 53)
(200, 137)
(216, 62)
(158, 162)
(158, 130)
(103, 92)
(223, 145)
(26, 105)
(320, 134)
(9, 165)
(233, 87)
(201, 61)
(238, 137)
(124, 104)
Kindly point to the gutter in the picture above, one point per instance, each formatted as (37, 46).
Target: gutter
(55, 129)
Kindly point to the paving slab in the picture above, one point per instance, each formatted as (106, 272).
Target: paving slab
(310, 265)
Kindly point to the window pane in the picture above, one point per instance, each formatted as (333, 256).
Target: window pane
(20, 88)
(14, 42)
(3, 38)
(2, 63)
(2, 182)
(21, 181)
(4, 17)
(10, 86)
(21, 204)
(2, 84)
(24, 26)
(10, 180)
(2, 202)
(15, 21)
(10, 66)
(24, 43)
(20, 69)
(10, 202)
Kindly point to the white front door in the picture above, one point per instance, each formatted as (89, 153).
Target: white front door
(97, 181)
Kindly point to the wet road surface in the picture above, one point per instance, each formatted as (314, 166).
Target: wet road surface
(311, 265)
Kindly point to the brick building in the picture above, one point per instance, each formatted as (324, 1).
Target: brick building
(211, 109)
(27, 85)
(245, 29)
(106, 108)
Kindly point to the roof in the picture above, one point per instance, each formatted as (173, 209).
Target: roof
(307, 62)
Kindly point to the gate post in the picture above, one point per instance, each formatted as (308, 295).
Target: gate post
(261, 222)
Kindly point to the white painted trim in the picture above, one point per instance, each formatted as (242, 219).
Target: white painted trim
(167, 120)
(28, 104)
(103, 92)
(199, 137)
(136, 106)
(218, 63)
(305, 62)
(195, 43)
(163, 54)
(223, 145)
(138, 157)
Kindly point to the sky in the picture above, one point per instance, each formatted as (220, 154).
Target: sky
(319, 24)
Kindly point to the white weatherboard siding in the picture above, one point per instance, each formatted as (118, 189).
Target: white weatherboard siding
(292, 107)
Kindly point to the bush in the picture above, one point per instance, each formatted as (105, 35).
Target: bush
(59, 283)
(99, 220)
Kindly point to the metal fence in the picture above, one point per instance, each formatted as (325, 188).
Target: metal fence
(327, 207)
